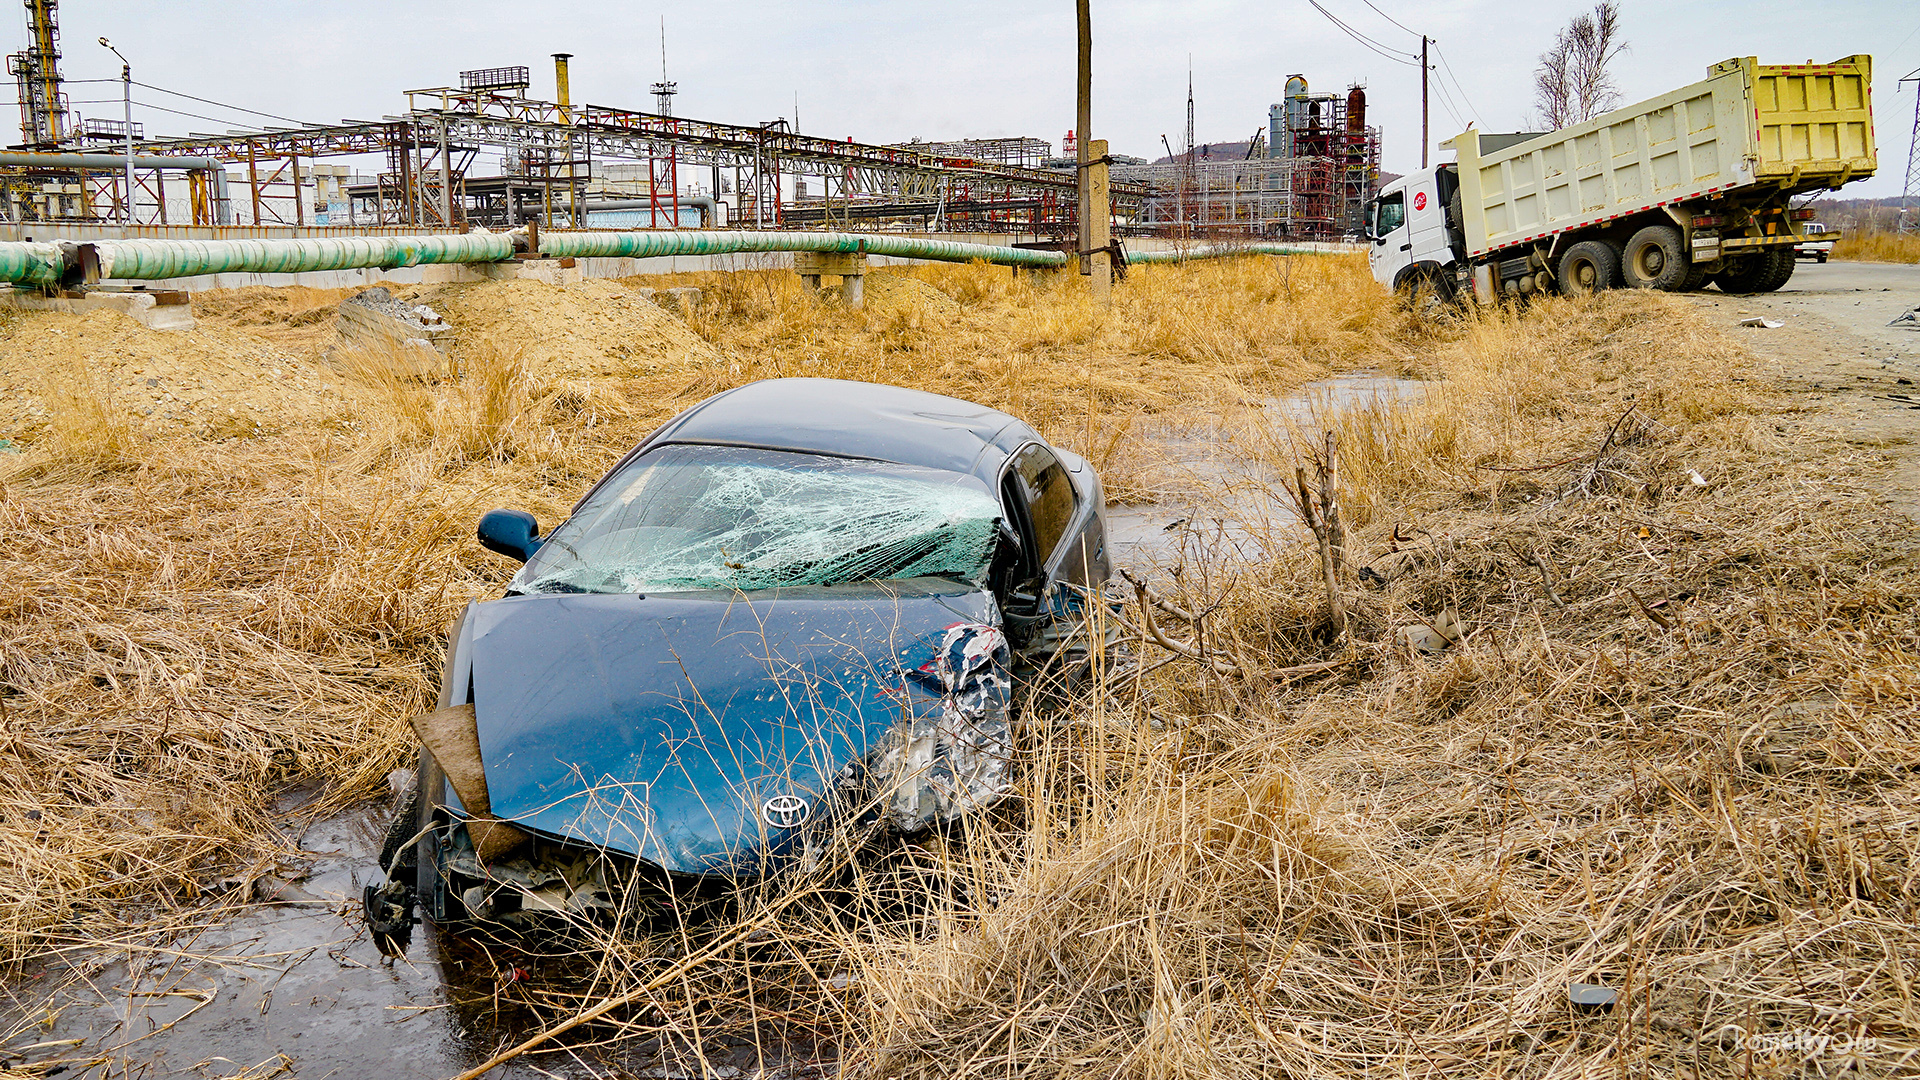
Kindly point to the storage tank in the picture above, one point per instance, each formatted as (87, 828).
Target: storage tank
(1356, 111)
(1287, 117)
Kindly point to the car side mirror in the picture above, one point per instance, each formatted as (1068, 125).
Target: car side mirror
(1379, 239)
(513, 533)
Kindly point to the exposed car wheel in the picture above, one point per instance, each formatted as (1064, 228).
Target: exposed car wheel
(398, 854)
(1780, 264)
(1743, 275)
(1822, 258)
(1655, 259)
(1588, 267)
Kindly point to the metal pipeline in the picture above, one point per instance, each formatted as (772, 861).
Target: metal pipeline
(33, 264)
(215, 170)
(150, 260)
(649, 244)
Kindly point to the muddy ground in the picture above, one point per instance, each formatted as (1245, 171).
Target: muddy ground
(287, 982)
(1852, 373)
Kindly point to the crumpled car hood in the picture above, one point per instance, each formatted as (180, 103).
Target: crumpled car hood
(661, 726)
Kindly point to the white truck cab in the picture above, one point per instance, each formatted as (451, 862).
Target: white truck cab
(1411, 241)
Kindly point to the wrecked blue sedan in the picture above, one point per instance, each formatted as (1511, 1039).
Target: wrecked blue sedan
(800, 606)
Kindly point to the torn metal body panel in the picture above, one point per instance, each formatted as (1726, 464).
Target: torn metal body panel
(800, 606)
(662, 726)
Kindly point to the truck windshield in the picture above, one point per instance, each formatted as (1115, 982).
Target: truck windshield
(1392, 213)
(728, 517)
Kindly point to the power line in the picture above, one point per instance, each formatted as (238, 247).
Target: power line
(1446, 102)
(1407, 58)
(1389, 18)
(222, 104)
(196, 116)
(1456, 83)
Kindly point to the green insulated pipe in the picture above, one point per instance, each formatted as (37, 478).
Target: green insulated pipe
(650, 244)
(33, 264)
(148, 260)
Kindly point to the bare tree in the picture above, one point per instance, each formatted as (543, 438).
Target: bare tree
(1572, 83)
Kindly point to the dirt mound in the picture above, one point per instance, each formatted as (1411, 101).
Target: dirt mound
(898, 292)
(269, 305)
(211, 381)
(589, 328)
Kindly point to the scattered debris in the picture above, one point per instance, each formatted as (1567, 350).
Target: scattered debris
(419, 336)
(1908, 319)
(1433, 638)
(1588, 997)
(1404, 555)
(1762, 322)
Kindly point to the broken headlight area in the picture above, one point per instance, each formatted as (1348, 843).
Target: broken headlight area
(940, 765)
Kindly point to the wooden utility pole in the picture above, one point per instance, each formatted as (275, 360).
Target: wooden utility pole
(1425, 139)
(1092, 235)
(1099, 222)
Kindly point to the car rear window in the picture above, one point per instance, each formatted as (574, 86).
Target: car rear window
(730, 517)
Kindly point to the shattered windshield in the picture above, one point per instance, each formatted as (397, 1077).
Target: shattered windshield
(730, 517)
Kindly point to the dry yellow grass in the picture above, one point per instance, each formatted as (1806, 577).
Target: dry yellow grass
(1879, 247)
(1674, 751)
(193, 616)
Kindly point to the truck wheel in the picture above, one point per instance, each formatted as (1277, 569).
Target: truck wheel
(1743, 275)
(1696, 279)
(1587, 268)
(1654, 259)
(1779, 268)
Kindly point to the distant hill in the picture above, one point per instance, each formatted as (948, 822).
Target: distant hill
(1220, 151)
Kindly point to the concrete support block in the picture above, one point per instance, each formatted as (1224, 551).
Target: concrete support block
(452, 273)
(851, 266)
(153, 310)
(551, 271)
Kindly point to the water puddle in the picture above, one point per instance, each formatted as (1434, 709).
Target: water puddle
(237, 990)
(1221, 483)
(292, 985)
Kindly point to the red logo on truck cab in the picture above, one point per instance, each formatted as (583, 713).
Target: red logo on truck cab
(1419, 200)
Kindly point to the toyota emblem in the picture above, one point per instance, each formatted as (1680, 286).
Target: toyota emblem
(785, 811)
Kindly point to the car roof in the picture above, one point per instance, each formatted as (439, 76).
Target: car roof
(855, 419)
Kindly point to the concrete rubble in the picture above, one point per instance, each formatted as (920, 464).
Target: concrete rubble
(418, 336)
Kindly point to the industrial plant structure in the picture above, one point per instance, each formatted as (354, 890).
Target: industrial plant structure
(1307, 176)
(560, 164)
(487, 153)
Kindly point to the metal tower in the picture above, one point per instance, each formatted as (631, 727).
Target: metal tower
(1186, 172)
(664, 173)
(1910, 191)
(36, 70)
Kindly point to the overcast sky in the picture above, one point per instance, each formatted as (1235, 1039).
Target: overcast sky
(890, 70)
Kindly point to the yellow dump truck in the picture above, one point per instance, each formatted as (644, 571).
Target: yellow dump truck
(1669, 193)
